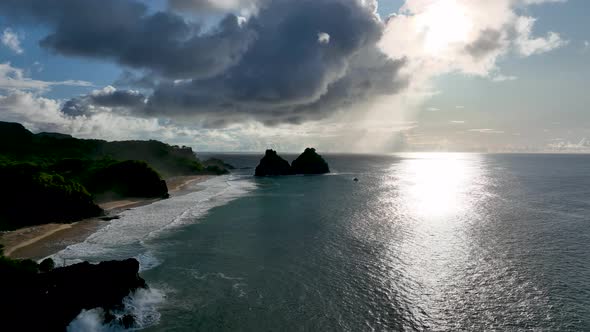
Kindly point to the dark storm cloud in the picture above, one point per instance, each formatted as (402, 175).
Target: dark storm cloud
(287, 75)
(279, 66)
(200, 6)
(85, 105)
(125, 32)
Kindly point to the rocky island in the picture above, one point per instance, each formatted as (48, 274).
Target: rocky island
(272, 165)
(308, 163)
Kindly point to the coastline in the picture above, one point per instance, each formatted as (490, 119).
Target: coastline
(40, 241)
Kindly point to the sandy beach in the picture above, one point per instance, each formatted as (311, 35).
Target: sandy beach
(41, 241)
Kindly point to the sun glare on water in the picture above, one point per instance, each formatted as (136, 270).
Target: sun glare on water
(438, 185)
(443, 23)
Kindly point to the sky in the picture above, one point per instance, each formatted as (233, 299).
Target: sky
(340, 75)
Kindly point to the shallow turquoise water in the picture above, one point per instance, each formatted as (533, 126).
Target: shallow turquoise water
(436, 242)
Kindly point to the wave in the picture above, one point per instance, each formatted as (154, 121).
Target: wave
(142, 305)
(128, 235)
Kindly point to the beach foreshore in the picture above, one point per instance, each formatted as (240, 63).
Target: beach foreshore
(41, 241)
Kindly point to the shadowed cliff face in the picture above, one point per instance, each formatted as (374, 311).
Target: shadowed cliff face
(273, 165)
(49, 301)
(308, 163)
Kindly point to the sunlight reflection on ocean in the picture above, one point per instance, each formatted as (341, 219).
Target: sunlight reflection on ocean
(423, 242)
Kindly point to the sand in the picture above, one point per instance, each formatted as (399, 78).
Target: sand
(40, 241)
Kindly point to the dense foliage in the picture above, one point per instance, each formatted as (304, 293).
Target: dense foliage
(50, 177)
(110, 179)
(32, 196)
(17, 143)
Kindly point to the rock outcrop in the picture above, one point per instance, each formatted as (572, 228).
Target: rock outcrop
(272, 165)
(309, 162)
(49, 301)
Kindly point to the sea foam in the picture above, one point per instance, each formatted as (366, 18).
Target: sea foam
(129, 235)
(142, 305)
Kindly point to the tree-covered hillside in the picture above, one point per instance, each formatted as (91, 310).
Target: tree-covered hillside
(50, 177)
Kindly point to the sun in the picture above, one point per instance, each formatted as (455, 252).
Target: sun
(444, 23)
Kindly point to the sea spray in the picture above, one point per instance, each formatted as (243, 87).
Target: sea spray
(142, 305)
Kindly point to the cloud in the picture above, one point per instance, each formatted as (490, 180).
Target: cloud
(292, 62)
(467, 36)
(125, 32)
(562, 145)
(323, 38)
(486, 131)
(262, 67)
(11, 40)
(200, 6)
(527, 45)
(12, 78)
(503, 78)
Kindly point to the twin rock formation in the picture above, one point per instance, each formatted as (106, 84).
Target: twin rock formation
(309, 162)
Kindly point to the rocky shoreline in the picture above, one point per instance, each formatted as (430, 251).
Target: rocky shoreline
(54, 297)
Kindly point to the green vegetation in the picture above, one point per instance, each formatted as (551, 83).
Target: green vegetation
(110, 179)
(44, 149)
(31, 196)
(50, 177)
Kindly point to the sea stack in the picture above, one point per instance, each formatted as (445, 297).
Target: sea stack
(272, 165)
(309, 162)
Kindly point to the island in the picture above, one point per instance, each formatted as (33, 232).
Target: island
(272, 165)
(308, 163)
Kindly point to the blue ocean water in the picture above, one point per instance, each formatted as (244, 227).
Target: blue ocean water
(437, 242)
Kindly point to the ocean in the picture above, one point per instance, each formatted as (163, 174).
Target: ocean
(422, 242)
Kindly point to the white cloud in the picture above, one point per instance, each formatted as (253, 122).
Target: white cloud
(11, 40)
(486, 131)
(562, 145)
(503, 78)
(527, 45)
(467, 36)
(12, 78)
(323, 38)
